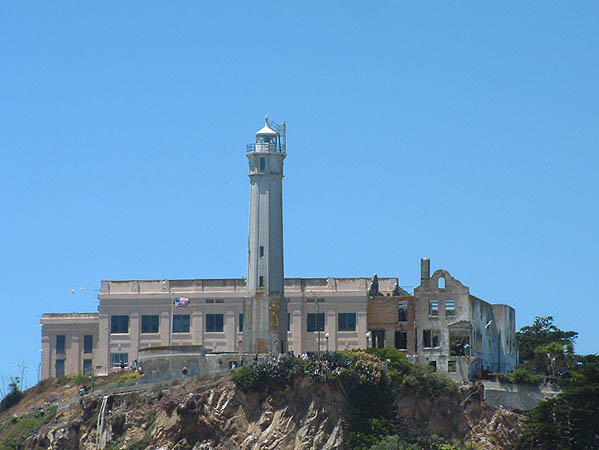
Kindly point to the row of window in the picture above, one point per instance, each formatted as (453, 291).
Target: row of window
(215, 323)
(88, 343)
(59, 367)
(433, 308)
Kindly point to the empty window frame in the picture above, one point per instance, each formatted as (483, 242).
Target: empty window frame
(181, 323)
(431, 338)
(214, 323)
(60, 344)
(210, 300)
(261, 251)
(441, 283)
(433, 308)
(262, 164)
(449, 307)
(88, 343)
(402, 311)
(87, 367)
(119, 324)
(315, 321)
(59, 366)
(219, 300)
(401, 340)
(240, 322)
(288, 322)
(261, 281)
(117, 358)
(346, 322)
(452, 366)
(150, 324)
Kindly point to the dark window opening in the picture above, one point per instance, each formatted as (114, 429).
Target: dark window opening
(60, 343)
(401, 340)
(346, 322)
(240, 322)
(262, 164)
(431, 338)
(214, 323)
(260, 281)
(288, 322)
(119, 324)
(451, 366)
(261, 251)
(88, 343)
(181, 323)
(150, 324)
(402, 311)
(315, 322)
(87, 367)
(59, 368)
(432, 365)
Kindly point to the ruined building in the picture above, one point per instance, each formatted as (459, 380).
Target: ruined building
(441, 324)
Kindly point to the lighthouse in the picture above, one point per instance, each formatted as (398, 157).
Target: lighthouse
(265, 307)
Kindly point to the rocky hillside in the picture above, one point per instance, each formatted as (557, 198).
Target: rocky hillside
(215, 414)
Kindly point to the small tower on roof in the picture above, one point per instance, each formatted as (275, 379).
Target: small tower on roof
(265, 308)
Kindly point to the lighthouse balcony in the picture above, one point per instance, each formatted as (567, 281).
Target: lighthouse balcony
(271, 147)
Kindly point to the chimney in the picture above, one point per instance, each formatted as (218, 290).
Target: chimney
(425, 269)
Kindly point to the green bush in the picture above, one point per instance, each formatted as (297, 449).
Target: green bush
(245, 378)
(13, 435)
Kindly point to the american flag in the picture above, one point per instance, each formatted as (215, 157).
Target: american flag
(181, 302)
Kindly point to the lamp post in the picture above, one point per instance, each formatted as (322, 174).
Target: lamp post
(326, 335)
(368, 335)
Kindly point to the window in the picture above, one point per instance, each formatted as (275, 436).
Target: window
(401, 340)
(87, 367)
(441, 284)
(214, 323)
(432, 366)
(209, 300)
(181, 323)
(150, 324)
(431, 338)
(262, 164)
(240, 322)
(88, 343)
(59, 368)
(288, 322)
(117, 358)
(315, 322)
(260, 281)
(60, 343)
(402, 311)
(261, 251)
(451, 366)
(433, 308)
(219, 300)
(449, 308)
(119, 324)
(346, 322)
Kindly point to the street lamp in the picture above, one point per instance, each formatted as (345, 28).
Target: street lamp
(368, 335)
(326, 335)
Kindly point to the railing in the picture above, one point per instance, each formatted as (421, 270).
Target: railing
(266, 147)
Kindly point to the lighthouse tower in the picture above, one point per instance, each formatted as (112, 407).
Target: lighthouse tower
(265, 307)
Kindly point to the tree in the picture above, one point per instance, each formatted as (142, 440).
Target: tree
(13, 397)
(544, 348)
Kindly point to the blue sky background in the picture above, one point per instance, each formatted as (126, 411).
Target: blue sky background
(461, 131)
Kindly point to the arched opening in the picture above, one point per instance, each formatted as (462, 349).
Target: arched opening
(441, 283)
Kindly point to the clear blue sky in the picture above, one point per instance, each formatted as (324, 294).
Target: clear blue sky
(466, 132)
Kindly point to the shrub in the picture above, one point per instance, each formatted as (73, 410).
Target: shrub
(245, 378)
(12, 398)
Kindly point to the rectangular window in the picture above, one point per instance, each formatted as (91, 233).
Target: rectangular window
(402, 311)
(262, 164)
(431, 338)
(261, 251)
(451, 366)
(288, 322)
(60, 344)
(260, 281)
(401, 340)
(219, 300)
(214, 323)
(117, 358)
(87, 367)
(449, 308)
(346, 322)
(88, 343)
(240, 322)
(150, 324)
(209, 300)
(315, 322)
(59, 368)
(119, 324)
(433, 308)
(181, 323)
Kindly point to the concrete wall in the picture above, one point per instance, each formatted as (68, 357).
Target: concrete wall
(521, 397)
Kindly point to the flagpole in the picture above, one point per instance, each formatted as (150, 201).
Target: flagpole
(170, 340)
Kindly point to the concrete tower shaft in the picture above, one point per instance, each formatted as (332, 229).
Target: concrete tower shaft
(265, 308)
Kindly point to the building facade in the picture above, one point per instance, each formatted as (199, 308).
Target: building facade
(441, 324)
